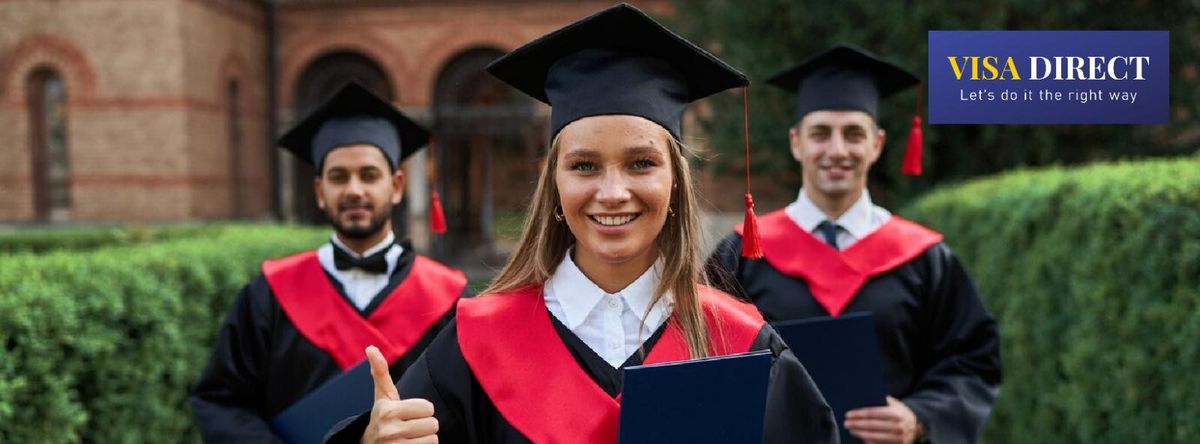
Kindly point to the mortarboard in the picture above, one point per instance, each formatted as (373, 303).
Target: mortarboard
(354, 115)
(620, 61)
(617, 61)
(846, 77)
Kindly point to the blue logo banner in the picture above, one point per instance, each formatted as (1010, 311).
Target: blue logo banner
(1049, 77)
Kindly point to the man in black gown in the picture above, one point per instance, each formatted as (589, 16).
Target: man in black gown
(309, 317)
(834, 252)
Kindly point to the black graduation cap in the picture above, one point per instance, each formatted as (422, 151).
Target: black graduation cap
(843, 78)
(355, 115)
(617, 61)
(847, 77)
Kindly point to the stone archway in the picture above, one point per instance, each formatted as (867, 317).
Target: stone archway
(487, 152)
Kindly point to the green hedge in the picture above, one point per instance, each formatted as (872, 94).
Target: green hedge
(100, 346)
(1094, 276)
(42, 240)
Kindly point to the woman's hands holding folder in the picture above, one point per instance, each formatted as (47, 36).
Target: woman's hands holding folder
(894, 423)
(394, 420)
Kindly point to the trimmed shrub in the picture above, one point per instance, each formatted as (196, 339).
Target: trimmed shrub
(42, 240)
(1094, 276)
(100, 346)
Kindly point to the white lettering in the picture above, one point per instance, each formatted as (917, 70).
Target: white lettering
(1112, 73)
(1033, 67)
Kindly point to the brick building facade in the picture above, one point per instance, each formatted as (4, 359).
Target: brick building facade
(165, 110)
(145, 110)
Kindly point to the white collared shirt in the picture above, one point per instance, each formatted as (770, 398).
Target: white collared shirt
(610, 324)
(859, 221)
(360, 286)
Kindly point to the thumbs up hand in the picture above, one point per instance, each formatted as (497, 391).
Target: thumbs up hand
(394, 420)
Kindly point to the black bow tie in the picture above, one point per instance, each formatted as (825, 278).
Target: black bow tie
(375, 263)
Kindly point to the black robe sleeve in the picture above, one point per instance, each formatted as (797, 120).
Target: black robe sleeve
(228, 402)
(723, 265)
(796, 411)
(954, 395)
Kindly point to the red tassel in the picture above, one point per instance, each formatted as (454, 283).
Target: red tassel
(437, 219)
(912, 152)
(751, 244)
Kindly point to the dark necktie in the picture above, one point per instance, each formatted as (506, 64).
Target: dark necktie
(375, 263)
(829, 232)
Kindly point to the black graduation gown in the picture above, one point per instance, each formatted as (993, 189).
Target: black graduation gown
(939, 343)
(796, 412)
(261, 363)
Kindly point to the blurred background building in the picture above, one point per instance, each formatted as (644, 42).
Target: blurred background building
(166, 110)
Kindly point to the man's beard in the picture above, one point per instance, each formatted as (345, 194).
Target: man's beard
(378, 221)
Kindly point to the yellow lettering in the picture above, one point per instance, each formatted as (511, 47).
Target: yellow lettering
(1011, 69)
(955, 67)
(989, 64)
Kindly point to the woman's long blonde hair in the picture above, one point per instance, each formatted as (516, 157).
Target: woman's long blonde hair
(544, 242)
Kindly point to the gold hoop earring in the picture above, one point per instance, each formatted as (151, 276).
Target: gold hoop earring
(558, 214)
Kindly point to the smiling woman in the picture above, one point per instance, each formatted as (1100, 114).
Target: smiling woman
(607, 272)
(614, 184)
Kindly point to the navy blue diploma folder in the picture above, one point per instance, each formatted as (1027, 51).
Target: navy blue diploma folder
(713, 400)
(310, 418)
(842, 356)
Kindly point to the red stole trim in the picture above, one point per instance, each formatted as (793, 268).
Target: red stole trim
(511, 347)
(835, 276)
(327, 320)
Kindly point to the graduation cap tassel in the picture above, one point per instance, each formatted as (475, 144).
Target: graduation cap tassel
(751, 244)
(912, 152)
(437, 219)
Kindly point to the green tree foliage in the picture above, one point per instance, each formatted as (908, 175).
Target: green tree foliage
(762, 37)
(1094, 277)
(101, 345)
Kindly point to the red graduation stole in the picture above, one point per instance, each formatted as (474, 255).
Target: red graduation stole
(327, 320)
(511, 347)
(835, 276)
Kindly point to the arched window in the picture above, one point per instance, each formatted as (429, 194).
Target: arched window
(236, 191)
(47, 100)
(488, 139)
